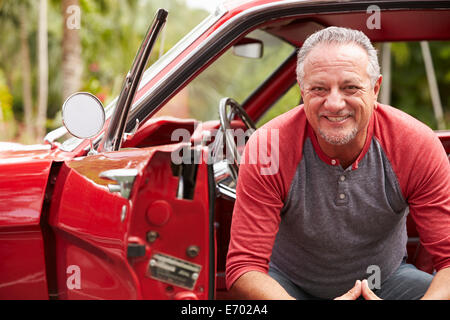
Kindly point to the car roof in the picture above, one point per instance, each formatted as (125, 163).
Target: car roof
(400, 20)
(394, 25)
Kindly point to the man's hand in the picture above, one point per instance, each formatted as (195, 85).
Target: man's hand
(353, 293)
(360, 288)
(367, 293)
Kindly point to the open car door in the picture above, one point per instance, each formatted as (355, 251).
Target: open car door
(131, 224)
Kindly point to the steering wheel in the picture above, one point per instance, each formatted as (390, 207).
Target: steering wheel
(233, 156)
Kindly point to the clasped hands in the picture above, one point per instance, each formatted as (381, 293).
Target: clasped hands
(361, 288)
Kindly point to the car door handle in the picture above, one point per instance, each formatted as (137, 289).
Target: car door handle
(124, 178)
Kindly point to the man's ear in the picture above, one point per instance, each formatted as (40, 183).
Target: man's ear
(377, 87)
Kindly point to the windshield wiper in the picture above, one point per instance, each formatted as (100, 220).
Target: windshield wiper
(116, 127)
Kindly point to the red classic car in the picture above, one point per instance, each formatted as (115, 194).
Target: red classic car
(139, 206)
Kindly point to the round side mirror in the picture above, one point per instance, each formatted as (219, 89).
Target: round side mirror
(83, 115)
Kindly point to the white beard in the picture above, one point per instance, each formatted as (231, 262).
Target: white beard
(339, 139)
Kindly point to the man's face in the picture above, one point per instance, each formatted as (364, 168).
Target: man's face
(337, 93)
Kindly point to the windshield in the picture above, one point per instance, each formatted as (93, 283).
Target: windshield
(71, 143)
(228, 76)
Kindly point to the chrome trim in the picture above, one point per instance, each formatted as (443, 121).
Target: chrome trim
(225, 184)
(226, 192)
(123, 213)
(125, 179)
(129, 135)
(55, 134)
(117, 125)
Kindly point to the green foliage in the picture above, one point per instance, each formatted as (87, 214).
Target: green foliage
(410, 90)
(7, 123)
(287, 102)
(112, 32)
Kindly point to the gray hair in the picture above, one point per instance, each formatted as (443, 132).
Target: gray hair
(337, 35)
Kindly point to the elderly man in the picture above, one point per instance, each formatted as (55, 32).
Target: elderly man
(350, 170)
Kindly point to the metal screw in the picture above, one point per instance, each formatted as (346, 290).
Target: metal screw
(192, 251)
(152, 236)
(194, 276)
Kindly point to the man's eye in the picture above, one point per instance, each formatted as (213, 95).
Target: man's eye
(318, 89)
(351, 88)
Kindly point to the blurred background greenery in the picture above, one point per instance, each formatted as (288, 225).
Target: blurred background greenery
(109, 35)
(42, 61)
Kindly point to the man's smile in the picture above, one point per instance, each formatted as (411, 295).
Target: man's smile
(337, 119)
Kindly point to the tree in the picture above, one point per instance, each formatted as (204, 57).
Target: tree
(72, 64)
(15, 15)
(26, 72)
(43, 70)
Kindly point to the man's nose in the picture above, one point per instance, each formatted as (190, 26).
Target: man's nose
(334, 101)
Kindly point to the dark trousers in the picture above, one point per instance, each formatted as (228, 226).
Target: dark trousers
(406, 283)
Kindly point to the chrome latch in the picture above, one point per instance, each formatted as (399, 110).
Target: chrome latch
(125, 179)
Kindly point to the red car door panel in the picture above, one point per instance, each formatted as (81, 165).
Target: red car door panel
(102, 244)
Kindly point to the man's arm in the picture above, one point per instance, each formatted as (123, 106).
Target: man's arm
(255, 285)
(440, 286)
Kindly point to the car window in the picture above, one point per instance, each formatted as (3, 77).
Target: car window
(288, 101)
(229, 76)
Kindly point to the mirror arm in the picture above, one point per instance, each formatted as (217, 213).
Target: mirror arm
(116, 128)
(92, 150)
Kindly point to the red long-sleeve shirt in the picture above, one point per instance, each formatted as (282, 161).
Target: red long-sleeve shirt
(322, 225)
